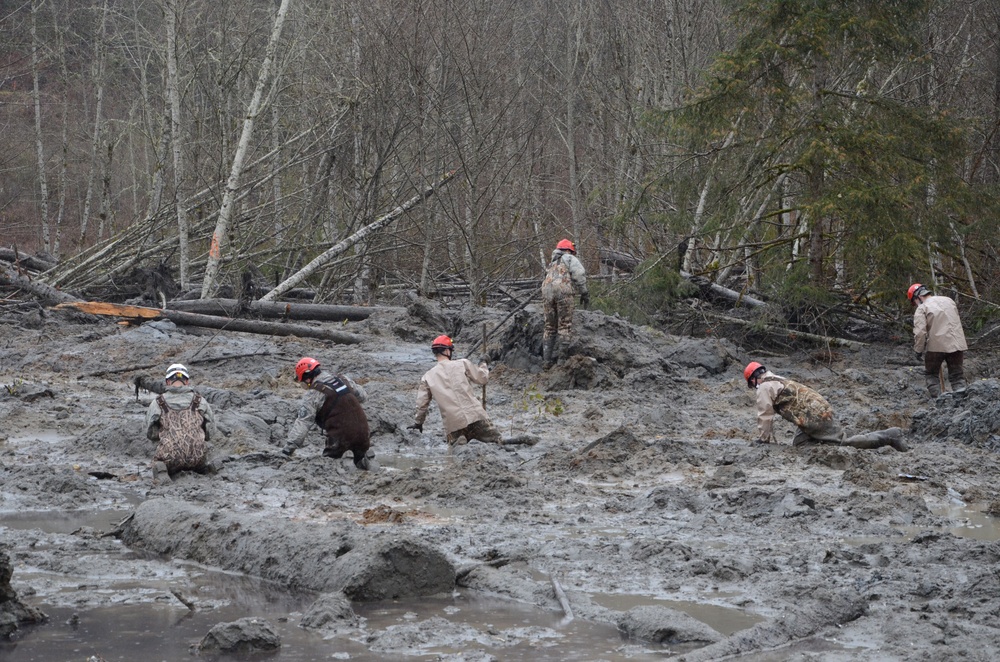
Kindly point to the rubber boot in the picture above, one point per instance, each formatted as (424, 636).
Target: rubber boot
(548, 347)
(933, 385)
(891, 437)
(957, 382)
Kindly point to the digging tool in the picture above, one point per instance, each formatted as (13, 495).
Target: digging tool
(484, 356)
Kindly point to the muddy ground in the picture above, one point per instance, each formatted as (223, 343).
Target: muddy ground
(644, 509)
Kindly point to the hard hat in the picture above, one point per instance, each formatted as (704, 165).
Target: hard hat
(566, 245)
(916, 290)
(441, 343)
(305, 366)
(177, 371)
(752, 368)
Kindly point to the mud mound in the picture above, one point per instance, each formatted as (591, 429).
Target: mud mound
(609, 454)
(972, 419)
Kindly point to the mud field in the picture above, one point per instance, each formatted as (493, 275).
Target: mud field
(642, 526)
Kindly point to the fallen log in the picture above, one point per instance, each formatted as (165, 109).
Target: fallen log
(831, 609)
(212, 321)
(724, 292)
(32, 262)
(275, 310)
(43, 291)
(787, 333)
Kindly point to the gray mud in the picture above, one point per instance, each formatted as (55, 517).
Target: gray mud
(643, 504)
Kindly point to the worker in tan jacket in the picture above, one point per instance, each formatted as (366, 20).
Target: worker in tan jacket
(938, 337)
(450, 384)
(809, 411)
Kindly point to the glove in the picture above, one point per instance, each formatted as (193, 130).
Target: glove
(419, 427)
(920, 356)
(585, 300)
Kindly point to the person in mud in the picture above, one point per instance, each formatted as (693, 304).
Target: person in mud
(564, 276)
(450, 384)
(182, 423)
(333, 402)
(938, 338)
(809, 411)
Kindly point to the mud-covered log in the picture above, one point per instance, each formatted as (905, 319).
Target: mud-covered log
(42, 291)
(829, 609)
(274, 310)
(788, 333)
(213, 321)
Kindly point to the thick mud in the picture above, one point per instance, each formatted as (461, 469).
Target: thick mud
(643, 510)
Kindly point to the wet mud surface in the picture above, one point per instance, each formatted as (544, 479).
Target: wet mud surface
(643, 502)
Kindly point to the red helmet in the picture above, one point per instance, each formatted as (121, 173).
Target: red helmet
(566, 245)
(916, 290)
(441, 343)
(751, 370)
(304, 367)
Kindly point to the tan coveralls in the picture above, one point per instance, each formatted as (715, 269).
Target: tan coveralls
(937, 332)
(450, 384)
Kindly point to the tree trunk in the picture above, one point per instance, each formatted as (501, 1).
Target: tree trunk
(210, 284)
(39, 143)
(177, 141)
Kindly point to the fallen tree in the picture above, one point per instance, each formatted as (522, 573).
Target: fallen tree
(274, 309)
(137, 313)
(46, 293)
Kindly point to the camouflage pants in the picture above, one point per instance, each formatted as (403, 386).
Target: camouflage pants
(824, 433)
(558, 313)
(483, 430)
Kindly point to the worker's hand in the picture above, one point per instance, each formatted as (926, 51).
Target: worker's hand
(419, 427)
(585, 300)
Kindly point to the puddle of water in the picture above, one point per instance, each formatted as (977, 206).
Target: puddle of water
(726, 620)
(969, 522)
(62, 521)
(45, 436)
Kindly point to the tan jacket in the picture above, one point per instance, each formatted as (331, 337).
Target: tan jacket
(767, 392)
(179, 397)
(450, 384)
(937, 327)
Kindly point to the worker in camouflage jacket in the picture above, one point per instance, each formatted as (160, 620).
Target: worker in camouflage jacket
(809, 411)
(564, 277)
(182, 423)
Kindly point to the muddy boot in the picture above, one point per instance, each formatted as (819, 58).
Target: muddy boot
(160, 473)
(288, 451)
(361, 462)
(548, 347)
(891, 437)
(958, 382)
(933, 385)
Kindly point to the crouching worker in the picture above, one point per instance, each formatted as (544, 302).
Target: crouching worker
(182, 422)
(809, 411)
(333, 402)
(450, 384)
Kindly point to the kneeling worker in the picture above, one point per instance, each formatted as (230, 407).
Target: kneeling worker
(450, 383)
(333, 402)
(182, 422)
(809, 411)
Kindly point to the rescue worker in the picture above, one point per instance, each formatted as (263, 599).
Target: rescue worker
(564, 276)
(450, 384)
(182, 423)
(809, 411)
(333, 402)
(938, 338)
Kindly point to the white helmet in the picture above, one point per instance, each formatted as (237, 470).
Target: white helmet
(177, 371)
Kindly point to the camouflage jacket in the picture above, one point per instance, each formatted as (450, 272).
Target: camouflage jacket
(795, 402)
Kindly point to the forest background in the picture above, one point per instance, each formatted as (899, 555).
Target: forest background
(815, 151)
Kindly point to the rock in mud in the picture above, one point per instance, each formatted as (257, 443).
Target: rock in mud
(12, 611)
(247, 635)
(331, 613)
(663, 625)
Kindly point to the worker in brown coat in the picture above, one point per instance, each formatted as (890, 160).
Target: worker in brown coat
(333, 402)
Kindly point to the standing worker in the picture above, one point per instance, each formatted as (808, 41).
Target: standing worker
(333, 402)
(564, 276)
(182, 423)
(809, 411)
(938, 337)
(450, 384)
